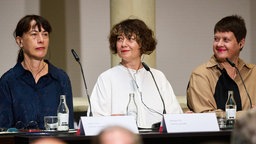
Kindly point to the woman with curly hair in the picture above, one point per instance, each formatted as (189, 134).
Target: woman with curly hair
(130, 82)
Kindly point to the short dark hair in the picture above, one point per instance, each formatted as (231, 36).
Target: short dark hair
(130, 27)
(233, 23)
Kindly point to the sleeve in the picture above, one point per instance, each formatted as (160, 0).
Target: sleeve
(199, 94)
(101, 98)
(6, 114)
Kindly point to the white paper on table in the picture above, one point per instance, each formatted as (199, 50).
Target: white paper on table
(195, 122)
(90, 126)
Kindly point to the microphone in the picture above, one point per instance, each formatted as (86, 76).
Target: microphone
(86, 90)
(234, 65)
(231, 63)
(148, 69)
(75, 55)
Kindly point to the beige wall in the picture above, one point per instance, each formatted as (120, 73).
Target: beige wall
(54, 12)
(253, 30)
(184, 29)
(141, 9)
(185, 34)
(10, 12)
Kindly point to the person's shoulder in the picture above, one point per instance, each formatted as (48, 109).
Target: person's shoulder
(251, 66)
(112, 71)
(56, 71)
(10, 74)
(200, 68)
(158, 74)
(205, 67)
(157, 71)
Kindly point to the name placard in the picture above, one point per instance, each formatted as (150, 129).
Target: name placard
(91, 126)
(195, 122)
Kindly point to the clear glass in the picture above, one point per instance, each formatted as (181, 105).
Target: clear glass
(221, 118)
(51, 123)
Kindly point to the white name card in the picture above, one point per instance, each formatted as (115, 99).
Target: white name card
(195, 122)
(91, 126)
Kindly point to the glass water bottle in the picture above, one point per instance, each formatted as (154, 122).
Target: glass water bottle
(63, 114)
(230, 110)
(132, 107)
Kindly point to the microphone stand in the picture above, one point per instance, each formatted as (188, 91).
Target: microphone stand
(148, 69)
(86, 90)
(234, 65)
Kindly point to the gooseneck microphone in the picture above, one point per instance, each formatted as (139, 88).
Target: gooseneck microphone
(234, 65)
(231, 63)
(148, 69)
(86, 90)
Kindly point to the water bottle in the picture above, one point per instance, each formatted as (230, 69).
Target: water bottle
(132, 107)
(230, 110)
(63, 114)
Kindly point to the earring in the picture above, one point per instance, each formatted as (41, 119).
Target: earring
(21, 44)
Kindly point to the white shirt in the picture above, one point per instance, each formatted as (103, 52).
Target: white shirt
(110, 94)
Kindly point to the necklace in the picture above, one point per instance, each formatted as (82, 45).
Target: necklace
(30, 69)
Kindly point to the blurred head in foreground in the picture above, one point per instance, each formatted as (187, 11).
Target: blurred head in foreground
(245, 129)
(48, 140)
(117, 135)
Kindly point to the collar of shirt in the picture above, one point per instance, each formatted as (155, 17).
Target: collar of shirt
(20, 71)
(213, 62)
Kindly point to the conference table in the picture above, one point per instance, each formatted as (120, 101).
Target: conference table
(219, 137)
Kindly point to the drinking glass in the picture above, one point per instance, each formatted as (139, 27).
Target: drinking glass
(51, 123)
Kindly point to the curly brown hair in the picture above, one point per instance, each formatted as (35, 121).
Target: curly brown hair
(133, 27)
